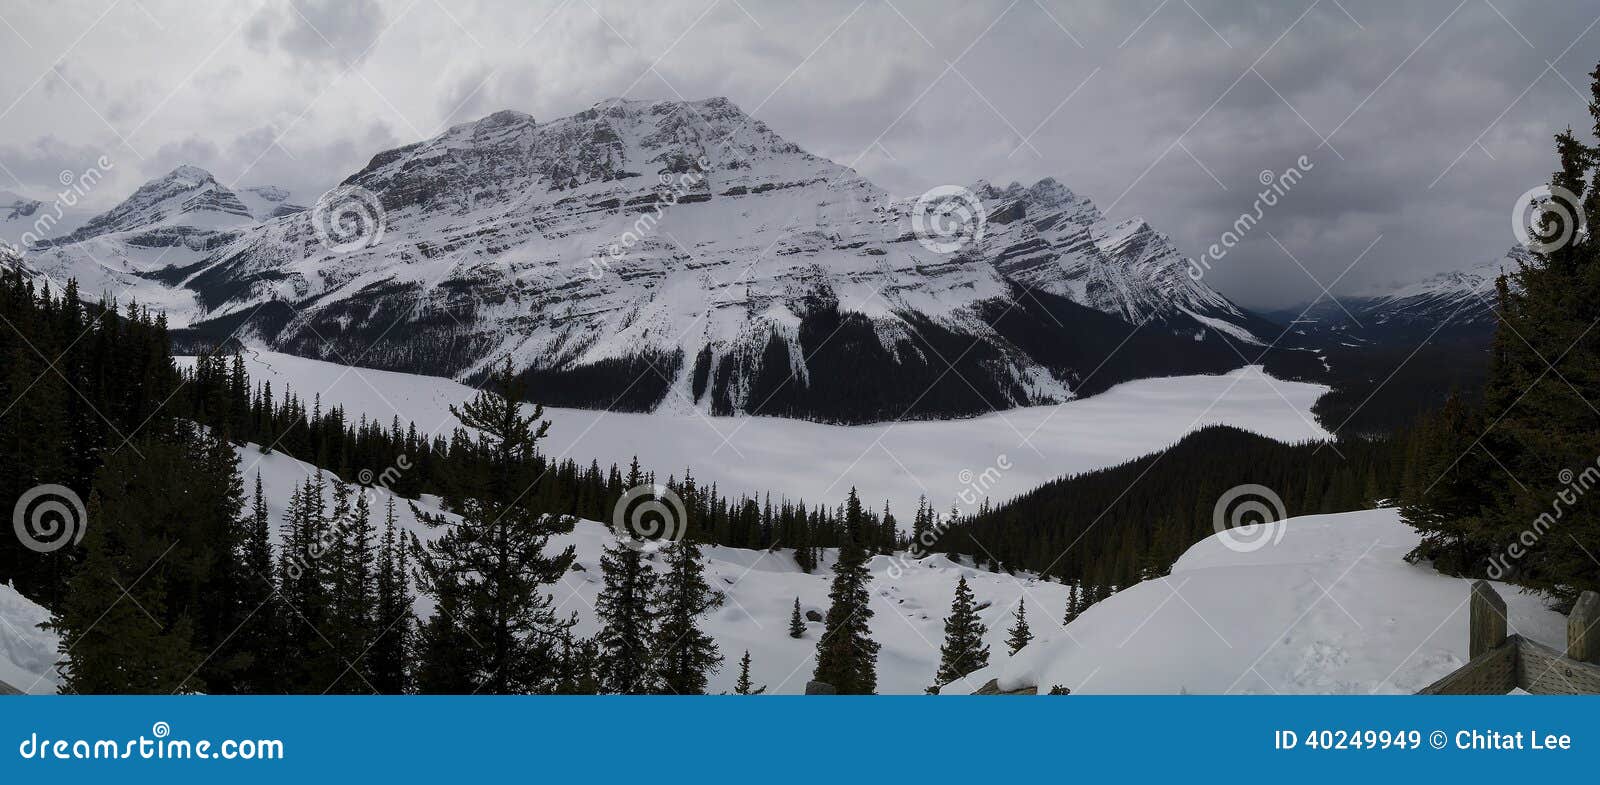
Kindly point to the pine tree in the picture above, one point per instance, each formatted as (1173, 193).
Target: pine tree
(627, 617)
(1074, 605)
(585, 667)
(1449, 498)
(488, 572)
(305, 587)
(922, 534)
(847, 656)
(1019, 633)
(261, 635)
(387, 659)
(123, 622)
(212, 584)
(685, 656)
(354, 606)
(797, 623)
(743, 685)
(963, 651)
(1544, 372)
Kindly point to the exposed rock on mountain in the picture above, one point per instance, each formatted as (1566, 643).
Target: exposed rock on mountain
(681, 255)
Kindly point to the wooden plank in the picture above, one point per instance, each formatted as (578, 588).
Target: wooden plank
(1487, 630)
(1542, 670)
(1583, 628)
(1491, 673)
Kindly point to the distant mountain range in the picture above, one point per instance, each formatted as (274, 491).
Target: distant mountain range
(1393, 353)
(648, 255)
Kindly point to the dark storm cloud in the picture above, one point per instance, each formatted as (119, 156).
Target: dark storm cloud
(1436, 114)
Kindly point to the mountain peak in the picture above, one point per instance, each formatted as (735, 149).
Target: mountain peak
(186, 196)
(505, 117)
(190, 175)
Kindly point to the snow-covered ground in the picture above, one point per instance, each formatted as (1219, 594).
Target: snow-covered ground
(761, 588)
(27, 653)
(1000, 455)
(1332, 608)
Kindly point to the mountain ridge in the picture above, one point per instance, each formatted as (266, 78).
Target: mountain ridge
(680, 255)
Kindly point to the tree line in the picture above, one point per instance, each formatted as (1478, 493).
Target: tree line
(1498, 488)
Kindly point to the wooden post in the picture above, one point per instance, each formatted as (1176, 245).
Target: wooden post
(1487, 620)
(1583, 628)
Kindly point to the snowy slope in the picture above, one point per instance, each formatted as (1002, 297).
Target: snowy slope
(1332, 608)
(1222, 622)
(27, 653)
(819, 463)
(761, 588)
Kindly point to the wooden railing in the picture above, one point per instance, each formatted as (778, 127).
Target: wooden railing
(1501, 663)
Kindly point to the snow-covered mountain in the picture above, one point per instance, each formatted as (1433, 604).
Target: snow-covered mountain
(1395, 352)
(1459, 296)
(1047, 237)
(23, 219)
(17, 214)
(137, 249)
(1454, 299)
(649, 254)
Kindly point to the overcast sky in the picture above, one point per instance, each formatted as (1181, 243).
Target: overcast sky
(1423, 123)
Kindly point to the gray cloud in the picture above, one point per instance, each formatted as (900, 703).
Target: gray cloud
(1439, 113)
(336, 33)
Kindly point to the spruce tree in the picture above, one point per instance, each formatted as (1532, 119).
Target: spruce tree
(685, 655)
(488, 572)
(847, 656)
(124, 625)
(797, 623)
(261, 634)
(1019, 633)
(1074, 605)
(1544, 373)
(1448, 497)
(627, 617)
(388, 656)
(354, 609)
(305, 588)
(743, 685)
(963, 651)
